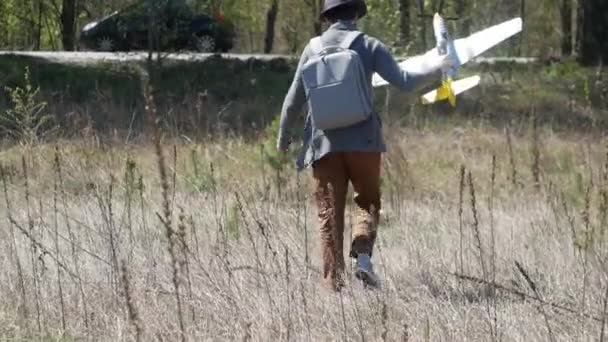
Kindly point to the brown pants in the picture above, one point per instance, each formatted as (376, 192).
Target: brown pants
(332, 175)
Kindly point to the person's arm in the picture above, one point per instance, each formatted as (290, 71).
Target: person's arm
(428, 65)
(292, 105)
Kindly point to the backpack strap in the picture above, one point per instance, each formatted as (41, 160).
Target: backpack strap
(316, 45)
(350, 38)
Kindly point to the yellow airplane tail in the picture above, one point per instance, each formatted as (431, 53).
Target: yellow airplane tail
(450, 89)
(446, 92)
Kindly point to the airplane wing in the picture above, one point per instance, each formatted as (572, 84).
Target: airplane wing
(413, 64)
(466, 48)
(459, 87)
(479, 42)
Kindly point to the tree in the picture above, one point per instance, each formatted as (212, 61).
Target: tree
(316, 6)
(68, 24)
(566, 21)
(295, 27)
(423, 23)
(465, 17)
(404, 21)
(4, 26)
(39, 25)
(592, 31)
(271, 20)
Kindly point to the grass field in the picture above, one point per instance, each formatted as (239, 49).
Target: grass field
(493, 221)
(486, 234)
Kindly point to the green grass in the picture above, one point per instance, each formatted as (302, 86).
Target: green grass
(74, 83)
(245, 96)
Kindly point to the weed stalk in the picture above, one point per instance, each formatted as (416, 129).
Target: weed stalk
(72, 237)
(535, 153)
(130, 302)
(33, 249)
(511, 157)
(57, 251)
(166, 204)
(23, 308)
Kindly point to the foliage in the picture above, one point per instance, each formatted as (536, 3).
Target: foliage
(382, 20)
(270, 156)
(201, 177)
(568, 69)
(27, 121)
(36, 24)
(233, 222)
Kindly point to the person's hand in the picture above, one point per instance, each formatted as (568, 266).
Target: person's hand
(431, 62)
(443, 62)
(283, 146)
(448, 62)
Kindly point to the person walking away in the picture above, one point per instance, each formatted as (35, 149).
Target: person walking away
(343, 139)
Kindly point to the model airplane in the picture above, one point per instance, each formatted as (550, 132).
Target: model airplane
(463, 50)
(445, 46)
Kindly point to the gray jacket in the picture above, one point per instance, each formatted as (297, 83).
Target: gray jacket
(363, 137)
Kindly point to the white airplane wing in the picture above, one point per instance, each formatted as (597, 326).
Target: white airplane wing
(479, 42)
(413, 64)
(466, 48)
(459, 87)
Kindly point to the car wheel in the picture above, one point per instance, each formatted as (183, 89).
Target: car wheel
(106, 44)
(204, 43)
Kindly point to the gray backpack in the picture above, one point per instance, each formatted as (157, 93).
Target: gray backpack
(334, 80)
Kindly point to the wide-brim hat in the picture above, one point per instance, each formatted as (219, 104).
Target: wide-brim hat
(329, 5)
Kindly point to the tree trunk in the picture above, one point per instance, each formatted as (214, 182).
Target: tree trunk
(566, 16)
(593, 32)
(317, 8)
(522, 14)
(464, 17)
(579, 27)
(423, 22)
(4, 39)
(404, 22)
(39, 31)
(440, 6)
(68, 24)
(271, 20)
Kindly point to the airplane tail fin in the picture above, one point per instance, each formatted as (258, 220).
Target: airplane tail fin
(446, 92)
(450, 89)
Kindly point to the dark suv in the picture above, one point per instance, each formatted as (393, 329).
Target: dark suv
(176, 26)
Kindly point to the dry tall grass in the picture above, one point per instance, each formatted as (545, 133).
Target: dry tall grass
(511, 248)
